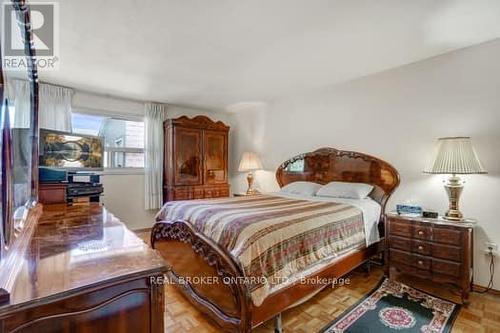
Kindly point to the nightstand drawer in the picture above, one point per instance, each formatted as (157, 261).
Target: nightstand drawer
(447, 235)
(401, 229)
(419, 247)
(410, 270)
(422, 248)
(420, 262)
(399, 243)
(421, 232)
(447, 252)
(446, 267)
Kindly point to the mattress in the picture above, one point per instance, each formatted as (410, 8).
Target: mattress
(276, 239)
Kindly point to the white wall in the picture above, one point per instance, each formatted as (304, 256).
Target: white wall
(124, 193)
(397, 115)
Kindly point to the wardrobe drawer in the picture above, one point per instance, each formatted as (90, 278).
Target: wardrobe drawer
(198, 193)
(224, 192)
(181, 194)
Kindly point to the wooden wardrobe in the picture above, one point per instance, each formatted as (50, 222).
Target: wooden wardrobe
(196, 159)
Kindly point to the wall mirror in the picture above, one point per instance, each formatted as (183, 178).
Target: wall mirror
(19, 96)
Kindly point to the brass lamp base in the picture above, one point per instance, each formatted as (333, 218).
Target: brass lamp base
(250, 179)
(454, 187)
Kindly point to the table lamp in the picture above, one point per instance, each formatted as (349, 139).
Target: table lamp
(454, 156)
(250, 162)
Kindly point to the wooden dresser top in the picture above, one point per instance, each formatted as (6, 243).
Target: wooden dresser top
(75, 248)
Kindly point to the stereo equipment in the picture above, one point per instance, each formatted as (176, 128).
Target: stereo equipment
(79, 189)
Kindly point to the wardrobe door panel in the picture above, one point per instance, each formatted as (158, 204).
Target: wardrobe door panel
(215, 150)
(188, 156)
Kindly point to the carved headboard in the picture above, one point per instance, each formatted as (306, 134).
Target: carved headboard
(328, 164)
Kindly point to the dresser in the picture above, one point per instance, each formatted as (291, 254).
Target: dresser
(195, 159)
(82, 270)
(436, 250)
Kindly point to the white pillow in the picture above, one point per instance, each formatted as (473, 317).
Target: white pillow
(301, 188)
(345, 190)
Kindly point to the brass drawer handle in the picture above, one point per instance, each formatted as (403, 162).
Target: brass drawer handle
(420, 247)
(420, 232)
(420, 262)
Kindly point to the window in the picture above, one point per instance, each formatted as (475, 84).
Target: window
(123, 139)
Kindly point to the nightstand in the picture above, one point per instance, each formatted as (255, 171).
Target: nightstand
(436, 250)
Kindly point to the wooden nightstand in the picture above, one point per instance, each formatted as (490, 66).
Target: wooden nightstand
(436, 250)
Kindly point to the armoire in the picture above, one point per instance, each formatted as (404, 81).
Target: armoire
(195, 159)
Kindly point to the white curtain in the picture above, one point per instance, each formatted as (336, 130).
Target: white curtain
(18, 93)
(155, 114)
(55, 107)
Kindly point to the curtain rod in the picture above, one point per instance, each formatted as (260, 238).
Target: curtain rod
(125, 98)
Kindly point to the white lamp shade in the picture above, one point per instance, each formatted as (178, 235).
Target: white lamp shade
(250, 161)
(455, 156)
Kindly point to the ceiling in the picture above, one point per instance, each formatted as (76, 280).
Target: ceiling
(218, 53)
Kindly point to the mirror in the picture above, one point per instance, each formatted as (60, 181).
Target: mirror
(19, 123)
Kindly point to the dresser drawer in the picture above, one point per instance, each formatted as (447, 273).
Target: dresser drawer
(447, 236)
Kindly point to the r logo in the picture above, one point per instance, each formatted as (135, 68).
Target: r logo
(44, 17)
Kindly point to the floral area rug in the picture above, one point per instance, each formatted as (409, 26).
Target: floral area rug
(396, 307)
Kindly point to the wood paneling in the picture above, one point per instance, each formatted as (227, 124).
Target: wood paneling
(196, 159)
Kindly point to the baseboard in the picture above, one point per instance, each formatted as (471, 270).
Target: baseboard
(480, 289)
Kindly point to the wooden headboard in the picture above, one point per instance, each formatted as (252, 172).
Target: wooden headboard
(328, 164)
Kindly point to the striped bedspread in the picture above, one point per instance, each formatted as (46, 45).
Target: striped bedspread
(277, 241)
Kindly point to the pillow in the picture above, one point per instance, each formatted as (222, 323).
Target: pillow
(345, 190)
(303, 188)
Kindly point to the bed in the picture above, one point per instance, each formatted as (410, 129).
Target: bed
(244, 260)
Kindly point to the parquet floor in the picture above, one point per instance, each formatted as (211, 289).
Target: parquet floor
(481, 316)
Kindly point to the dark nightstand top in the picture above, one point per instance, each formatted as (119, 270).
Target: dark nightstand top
(466, 223)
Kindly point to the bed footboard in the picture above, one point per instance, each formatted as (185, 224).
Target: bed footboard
(205, 273)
